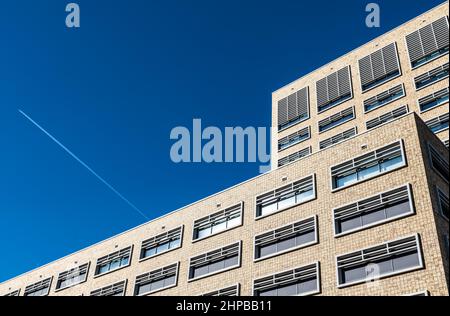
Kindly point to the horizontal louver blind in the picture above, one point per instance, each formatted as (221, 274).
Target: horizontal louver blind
(334, 87)
(216, 255)
(81, 270)
(111, 290)
(438, 121)
(229, 291)
(295, 156)
(430, 74)
(215, 218)
(382, 97)
(116, 255)
(294, 107)
(171, 235)
(428, 40)
(158, 274)
(338, 138)
(286, 278)
(336, 117)
(373, 203)
(378, 66)
(433, 97)
(387, 117)
(285, 232)
(385, 153)
(386, 250)
(41, 285)
(302, 134)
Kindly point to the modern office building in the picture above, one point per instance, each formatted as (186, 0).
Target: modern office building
(359, 192)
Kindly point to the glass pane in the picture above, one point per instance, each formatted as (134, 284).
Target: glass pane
(405, 262)
(234, 222)
(201, 271)
(303, 196)
(398, 209)
(157, 285)
(286, 244)
(373, 217)
(162, 248)
(268, 209)
(286, 202)
(346, 180)
(391, 164)
(219, 227)
(267, 293)
(174, 243)
(103, 269)
(169, 281)
(307, 286)
(149, 252)
(231, 262)
(204, 232)
(305, 238)
(216, 266)
(115, 264)
(289, 290)
(368, 172)
(349, 224)
(354, 274)
(144, 289)
(267, 250)
(385, 267)
(124, 261)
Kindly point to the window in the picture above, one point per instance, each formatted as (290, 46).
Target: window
(293, 109)
(298, 282)
(162, 243)
(287, 238)
(388, 117)
(114, 261)
(438, 163)
(372, 211)
(218, 222)
(443, 203)
(446, 143)
(379, 67)
(387, 259)
(336, 119)
(438, 124)
(384, 98)
(433, 100)
(338, 138)
(428, 43)
(294, 157)
(294, 138)
(334, 89)
(368, 166)
(117, 289)
(213, 262)
(296, 193)
(72, 277)
(229, 291)
(14, 293)
(157, 280)
(433, 76)
(41, 288)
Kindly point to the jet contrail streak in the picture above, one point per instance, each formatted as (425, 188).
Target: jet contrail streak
(84, 165)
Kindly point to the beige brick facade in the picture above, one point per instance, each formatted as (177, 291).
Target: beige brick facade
(426, 221)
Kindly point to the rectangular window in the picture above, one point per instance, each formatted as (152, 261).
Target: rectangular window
(156, 280)
(162, 243)
(388, 117)
(443, 203)
(41, 288)
(294, 157)
(114, 261)
(277, 200)
(438, 163)
(293, 109)
(218, 222)
(433, 100)
(338, 138)
(368, 166)
(229, 291)
(388, 259)
(373, 211)
(428, 43)
(433, 76)
(14, 293)
(336, 119)
(379, 67)
(384, 98)
(298, 282)
(117, 289)
(287, 238)
(334, 89)
(216, 261)
(72, 277)
(295, 138)
(438, 124)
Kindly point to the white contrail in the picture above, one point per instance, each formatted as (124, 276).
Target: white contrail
(84, 165)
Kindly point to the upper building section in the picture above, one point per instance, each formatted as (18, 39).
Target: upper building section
(402, 71)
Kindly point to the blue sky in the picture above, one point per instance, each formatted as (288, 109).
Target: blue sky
(112, 91)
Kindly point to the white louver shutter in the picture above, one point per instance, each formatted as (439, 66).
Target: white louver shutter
(428, 40)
